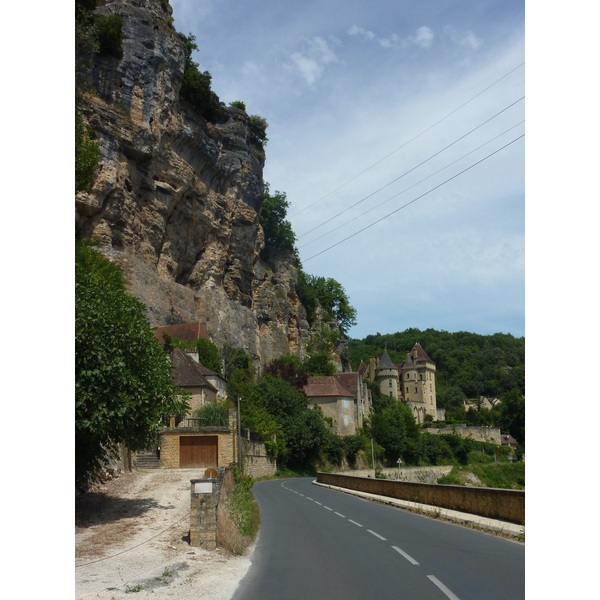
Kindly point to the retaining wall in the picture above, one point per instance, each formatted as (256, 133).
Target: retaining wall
(493, 503)
(256, 461)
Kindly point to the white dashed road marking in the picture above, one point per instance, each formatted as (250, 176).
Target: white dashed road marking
(377, 535)
(358, 524)
(339, 515)
(327, 507)
(406, 556)
(443, 587)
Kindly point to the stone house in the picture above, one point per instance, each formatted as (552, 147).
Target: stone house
(337, 402)
(353, 382)
(203, 385)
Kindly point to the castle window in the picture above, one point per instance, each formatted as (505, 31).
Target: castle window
(390, 383)
(415, 390)
(420, 375)
(390, 393)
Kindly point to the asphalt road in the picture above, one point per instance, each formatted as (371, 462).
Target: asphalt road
(316, 543)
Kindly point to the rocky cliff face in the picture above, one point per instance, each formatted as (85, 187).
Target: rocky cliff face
(176, 200)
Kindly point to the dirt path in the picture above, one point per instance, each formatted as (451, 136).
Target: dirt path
(131, 535)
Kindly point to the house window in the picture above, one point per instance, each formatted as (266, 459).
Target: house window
(345, 403)
(345, 420)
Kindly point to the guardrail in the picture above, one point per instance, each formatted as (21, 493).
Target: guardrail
(493, 503)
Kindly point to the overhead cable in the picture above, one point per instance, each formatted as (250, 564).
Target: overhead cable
(412, 201)
(409, 141)
(410, 170)
(409, 188)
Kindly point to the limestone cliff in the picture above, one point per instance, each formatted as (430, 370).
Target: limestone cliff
(176, 200)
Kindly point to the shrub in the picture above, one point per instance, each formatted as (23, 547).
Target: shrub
(87, 154)
(238, 104)
(214, 415)
(238, 518)
(110, 37)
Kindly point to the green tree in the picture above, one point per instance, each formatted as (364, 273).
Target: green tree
(290, 369)
(87, 154)
(195, 88)
(333, 298)
(208, 355)
(303, 428)
(110, 37)
(319, 349)
(123, 381)
(278, 231)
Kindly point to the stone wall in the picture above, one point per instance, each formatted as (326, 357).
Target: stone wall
(227, 442)
(479, 434)
(255, 460)
(205, 497)
(505, 505)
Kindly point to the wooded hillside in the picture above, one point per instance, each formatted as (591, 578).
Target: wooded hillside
(468, 365)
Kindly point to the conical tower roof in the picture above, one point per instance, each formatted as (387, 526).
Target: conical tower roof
(385, 362)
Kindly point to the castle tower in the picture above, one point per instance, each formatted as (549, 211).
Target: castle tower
(417, 374)
(386, 375)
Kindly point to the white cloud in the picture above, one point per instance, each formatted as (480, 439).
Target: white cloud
(423, 37)
(463, 38)
(315, 55)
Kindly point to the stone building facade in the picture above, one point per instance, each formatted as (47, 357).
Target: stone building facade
(412, 382)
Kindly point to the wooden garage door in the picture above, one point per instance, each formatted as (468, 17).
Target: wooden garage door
(198, 451)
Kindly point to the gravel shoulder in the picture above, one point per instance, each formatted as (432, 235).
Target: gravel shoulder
(132, 535)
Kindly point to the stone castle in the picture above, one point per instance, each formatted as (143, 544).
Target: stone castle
(412, 382)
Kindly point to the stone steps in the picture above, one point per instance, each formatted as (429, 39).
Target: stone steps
(147, 460)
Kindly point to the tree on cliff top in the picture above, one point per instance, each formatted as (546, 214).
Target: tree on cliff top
(195, 88)
(278, 230)
(123, 381)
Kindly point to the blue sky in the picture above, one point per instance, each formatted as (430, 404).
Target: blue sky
(353, 87)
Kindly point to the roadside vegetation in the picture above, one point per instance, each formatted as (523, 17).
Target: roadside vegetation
(238, 518)
(504, 475)
(124, 390)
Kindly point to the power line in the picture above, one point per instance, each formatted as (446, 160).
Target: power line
(412, 201)
(410, 170)
(409, 141)
(133, 547)
(410, 187)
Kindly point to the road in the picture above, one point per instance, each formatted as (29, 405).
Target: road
(316, 543)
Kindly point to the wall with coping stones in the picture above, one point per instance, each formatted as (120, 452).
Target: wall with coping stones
(203, 508)
(255, 460)
(493, 503)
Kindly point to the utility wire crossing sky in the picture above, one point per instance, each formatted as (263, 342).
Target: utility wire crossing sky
(366, 96)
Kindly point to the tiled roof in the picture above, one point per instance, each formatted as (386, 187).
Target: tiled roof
(187, 372)
(349, 381)
(325, 386)
(421, 354)
(189, 332)
(362, 368)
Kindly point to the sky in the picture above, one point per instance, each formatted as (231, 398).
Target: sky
(370, 106)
